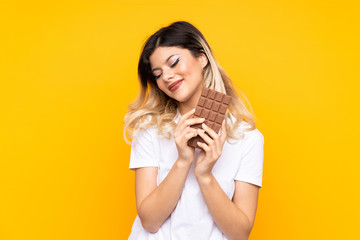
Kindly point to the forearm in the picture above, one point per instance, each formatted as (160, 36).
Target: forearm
(230, 219)
(160, 203)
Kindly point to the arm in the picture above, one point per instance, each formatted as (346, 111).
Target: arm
(234, 218)
(156, 203)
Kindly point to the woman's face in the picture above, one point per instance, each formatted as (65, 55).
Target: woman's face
(178, 73)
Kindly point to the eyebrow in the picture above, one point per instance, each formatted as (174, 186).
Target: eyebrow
(154, 69)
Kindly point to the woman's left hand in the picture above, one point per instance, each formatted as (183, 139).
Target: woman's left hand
(211, 150)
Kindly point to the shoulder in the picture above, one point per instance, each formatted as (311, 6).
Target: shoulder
(251, 134)
(253, 142)
(245, 128)
(248, 136)
(145, 129)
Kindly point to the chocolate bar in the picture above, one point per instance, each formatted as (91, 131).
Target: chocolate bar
(212, 106)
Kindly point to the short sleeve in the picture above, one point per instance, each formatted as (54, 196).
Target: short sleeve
(143, 153)
(251, 166)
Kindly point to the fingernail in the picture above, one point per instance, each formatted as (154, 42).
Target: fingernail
(201, 130)
(202, 119)
(203, 125)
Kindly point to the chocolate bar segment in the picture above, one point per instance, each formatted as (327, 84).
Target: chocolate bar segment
(212, 106)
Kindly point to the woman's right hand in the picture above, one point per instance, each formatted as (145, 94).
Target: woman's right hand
(183, 132)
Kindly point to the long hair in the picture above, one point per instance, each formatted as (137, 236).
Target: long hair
(152, 107)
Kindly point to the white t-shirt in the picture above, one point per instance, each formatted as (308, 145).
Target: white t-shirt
(191, 220)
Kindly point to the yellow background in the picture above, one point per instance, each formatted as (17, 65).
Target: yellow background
(68, 72)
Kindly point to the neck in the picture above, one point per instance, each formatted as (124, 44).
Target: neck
(186, 106)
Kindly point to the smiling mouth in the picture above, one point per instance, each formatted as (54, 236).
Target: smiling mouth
(174, 85)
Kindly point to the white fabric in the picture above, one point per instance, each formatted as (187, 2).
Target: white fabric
(191, 219)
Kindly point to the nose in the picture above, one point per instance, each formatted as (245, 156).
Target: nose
(168, 74)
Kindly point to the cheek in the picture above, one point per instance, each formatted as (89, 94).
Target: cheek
(184, 69)
(161, 85)
(190, 69)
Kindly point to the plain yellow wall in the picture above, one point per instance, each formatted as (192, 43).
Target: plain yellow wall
(68, 71)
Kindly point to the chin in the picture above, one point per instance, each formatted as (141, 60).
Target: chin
(181, 96)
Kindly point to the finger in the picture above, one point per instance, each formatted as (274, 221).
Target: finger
(180, 128)
(215, 143)
(183, 131)
(187, 130)
(190, 135)
(205, 147)
(193, 121)
(186, 115)
(188, 123)
(211, 132)
(216, 138)
(210, 142)
(184, 136)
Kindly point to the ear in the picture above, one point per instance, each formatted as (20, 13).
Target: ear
(203, 60)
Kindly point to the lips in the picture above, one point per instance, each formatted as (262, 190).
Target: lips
(174, 85)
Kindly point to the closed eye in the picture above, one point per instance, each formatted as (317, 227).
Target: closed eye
(157, 76)
(172, 65)
(176, 62)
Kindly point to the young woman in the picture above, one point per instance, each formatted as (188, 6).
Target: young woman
(186, 193)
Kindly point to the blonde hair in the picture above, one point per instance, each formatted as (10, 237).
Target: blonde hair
(154, 108)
